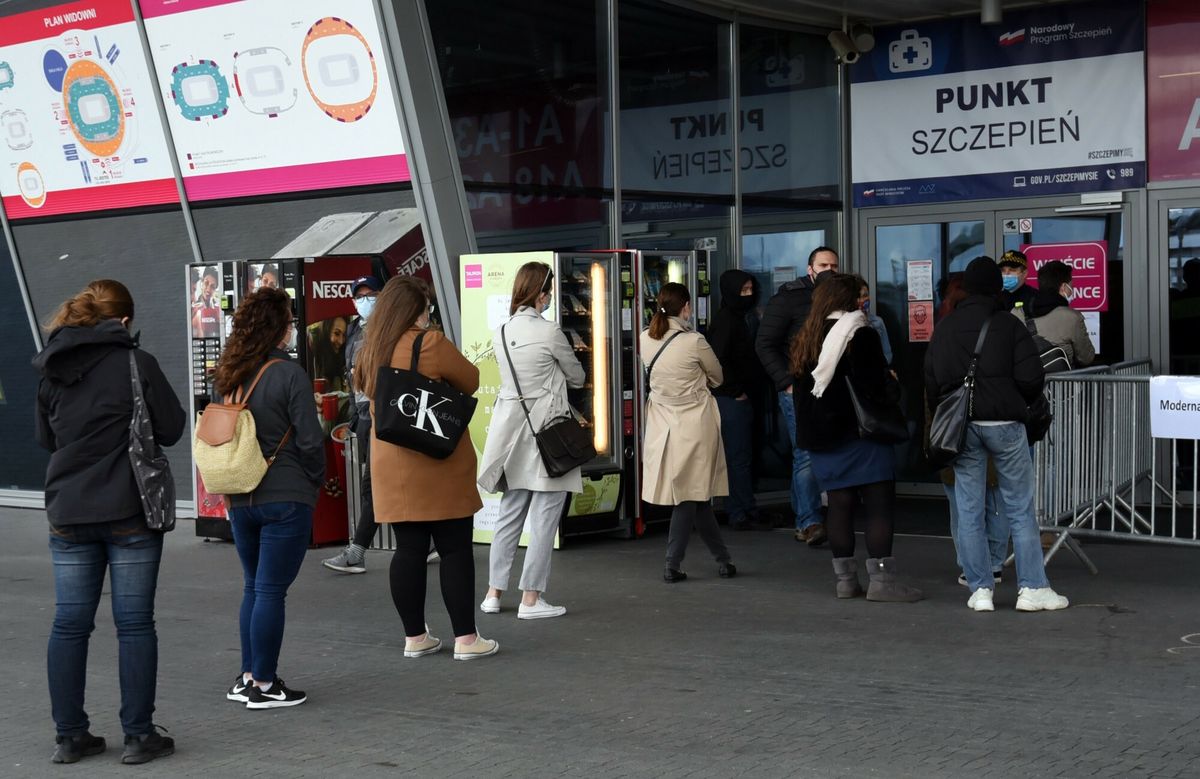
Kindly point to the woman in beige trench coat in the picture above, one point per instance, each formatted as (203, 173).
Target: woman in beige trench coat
(683, 460)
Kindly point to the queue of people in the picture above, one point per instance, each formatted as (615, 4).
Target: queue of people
(821, 354)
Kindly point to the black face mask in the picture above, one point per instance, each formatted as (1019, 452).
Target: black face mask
(740, 303)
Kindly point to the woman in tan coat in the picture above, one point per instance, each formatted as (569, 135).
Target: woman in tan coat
(422, 497)
(683, 460)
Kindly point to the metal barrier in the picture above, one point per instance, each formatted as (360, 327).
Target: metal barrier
(384, 540)
(1101, 474)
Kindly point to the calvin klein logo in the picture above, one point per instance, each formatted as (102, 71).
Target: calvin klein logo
(422, 411)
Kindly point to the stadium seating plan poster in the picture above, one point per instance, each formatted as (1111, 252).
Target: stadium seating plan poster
(265, 97)
(79, 128)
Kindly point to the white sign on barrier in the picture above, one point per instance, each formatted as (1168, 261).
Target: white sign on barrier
(1175, 407)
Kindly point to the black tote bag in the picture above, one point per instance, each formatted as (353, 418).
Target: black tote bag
(948, 431)
(151, 469)
(419, 413)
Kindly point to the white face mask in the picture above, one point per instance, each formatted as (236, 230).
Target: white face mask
(364, 306)
(289, 342)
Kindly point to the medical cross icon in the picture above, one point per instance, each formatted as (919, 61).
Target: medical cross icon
(910, 55)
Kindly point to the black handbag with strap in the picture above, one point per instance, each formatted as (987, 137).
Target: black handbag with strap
(151, 469)
(419, 413)
(563, 443)
(948, 431)
(881, 422)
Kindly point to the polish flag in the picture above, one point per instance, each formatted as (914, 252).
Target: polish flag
(1010, 38)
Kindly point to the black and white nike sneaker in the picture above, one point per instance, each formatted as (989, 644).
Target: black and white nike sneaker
(276, 697)
(240, 691)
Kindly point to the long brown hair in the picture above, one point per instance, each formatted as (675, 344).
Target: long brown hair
(838, 292)
(99, 300)
(533, 278)
(398, 307)
(669, 302)
(259, 324)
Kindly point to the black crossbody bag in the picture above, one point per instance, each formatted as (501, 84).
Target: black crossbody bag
(563, 443)
(650, 367)
(420, 413)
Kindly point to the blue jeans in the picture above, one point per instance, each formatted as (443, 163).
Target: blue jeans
(271, 542)
(80, 558)
(806, 495)
(1010, 452)
(994, 519)
(737, 433)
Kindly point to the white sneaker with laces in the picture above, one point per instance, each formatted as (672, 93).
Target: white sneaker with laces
(540, 610)
(1040, 599)
(490, 606)
(981, 600)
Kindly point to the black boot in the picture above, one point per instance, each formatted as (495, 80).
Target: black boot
(144, 748)
(70, 749)
(672, 575)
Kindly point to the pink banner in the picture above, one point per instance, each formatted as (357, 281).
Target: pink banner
(1173, 90)
(297, 178)
(1089, 270)
(153, 8)
(73, 201)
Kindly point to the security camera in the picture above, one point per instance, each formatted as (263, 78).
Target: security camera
(843, 47)
(863, 37)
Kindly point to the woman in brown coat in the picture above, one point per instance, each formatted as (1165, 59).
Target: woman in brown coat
(422, 497)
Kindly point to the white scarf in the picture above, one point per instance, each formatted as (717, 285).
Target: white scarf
(834, 347)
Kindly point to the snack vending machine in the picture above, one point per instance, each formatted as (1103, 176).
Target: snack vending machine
(323, 310)
(594, 299)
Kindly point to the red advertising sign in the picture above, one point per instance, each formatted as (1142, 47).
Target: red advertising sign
(329, 286)
(1089, 270)
(1173, 90)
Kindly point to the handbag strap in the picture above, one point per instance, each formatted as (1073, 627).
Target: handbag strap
(135, 379)
(416, 351)
(663, 348)
(970, 379)
(513, 369)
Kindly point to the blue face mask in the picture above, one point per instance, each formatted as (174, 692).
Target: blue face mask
(364, 306)
(1011, 283)
(866, 308)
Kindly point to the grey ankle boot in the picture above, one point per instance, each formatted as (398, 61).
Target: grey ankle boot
(886, 586)
(846, 571)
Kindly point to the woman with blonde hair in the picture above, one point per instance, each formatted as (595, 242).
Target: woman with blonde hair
(836, 351)
(421, 497)
(536, 367)
(85, 408)
(683, 458)
(272, 525)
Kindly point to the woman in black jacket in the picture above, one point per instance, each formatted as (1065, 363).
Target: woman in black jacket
(84, 412)
(835, 347)
(271, 525)
(731, 340)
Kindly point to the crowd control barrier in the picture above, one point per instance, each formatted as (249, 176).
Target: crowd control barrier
(384, 540)
(1100, 473)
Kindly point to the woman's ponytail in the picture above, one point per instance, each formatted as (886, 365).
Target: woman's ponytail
(668, 303)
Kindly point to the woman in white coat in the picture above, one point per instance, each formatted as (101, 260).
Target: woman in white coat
(682, 454)
(545, 365)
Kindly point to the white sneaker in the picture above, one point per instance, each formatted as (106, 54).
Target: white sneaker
(540, 610)
(981, 600)
(997, 578)
(1040, 599)
(490, 606)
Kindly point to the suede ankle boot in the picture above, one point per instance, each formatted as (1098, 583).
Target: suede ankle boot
(846, 571)
(886, 586)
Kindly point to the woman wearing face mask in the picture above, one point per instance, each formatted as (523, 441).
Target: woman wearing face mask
(421, 497)
(1055, 320)
(535, 354)
(683, 459)
(271, 525)
(731, 341)
(97, 523)
(864, 305)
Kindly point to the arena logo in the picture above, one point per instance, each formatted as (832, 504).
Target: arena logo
(332, 290)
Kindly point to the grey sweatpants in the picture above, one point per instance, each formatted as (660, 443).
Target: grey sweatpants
(544, 510)
(700, 514)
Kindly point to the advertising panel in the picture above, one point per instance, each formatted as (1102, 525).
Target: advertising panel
(77, 117)
(265, 97)
(1089, 270)
(1051, 102)
(1173, 89)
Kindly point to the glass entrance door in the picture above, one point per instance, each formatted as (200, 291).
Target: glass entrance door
(1182, 243)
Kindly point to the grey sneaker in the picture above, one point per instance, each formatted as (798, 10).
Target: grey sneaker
(347, 562)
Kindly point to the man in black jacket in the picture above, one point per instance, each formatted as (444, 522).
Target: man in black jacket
(1014, 266)
(729, 334)
(782, 319)
(1008, 378)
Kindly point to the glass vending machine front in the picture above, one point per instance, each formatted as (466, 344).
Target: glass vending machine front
(659, 268)
(584, 296)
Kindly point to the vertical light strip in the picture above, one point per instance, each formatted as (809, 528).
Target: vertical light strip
(675, 272)
(600, 328)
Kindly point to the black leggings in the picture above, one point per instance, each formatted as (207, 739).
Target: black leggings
(879, 499)
(452, 539)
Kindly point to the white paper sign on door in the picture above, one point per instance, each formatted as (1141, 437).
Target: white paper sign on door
(1175, 407)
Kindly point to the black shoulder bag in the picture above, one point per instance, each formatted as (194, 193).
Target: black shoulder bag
(948, 431)
(420, 413)
(151, 469)
(563, 443)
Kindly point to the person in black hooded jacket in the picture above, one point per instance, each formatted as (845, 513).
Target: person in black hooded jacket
(730, 338)
(1008, 378)
(84, 411)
